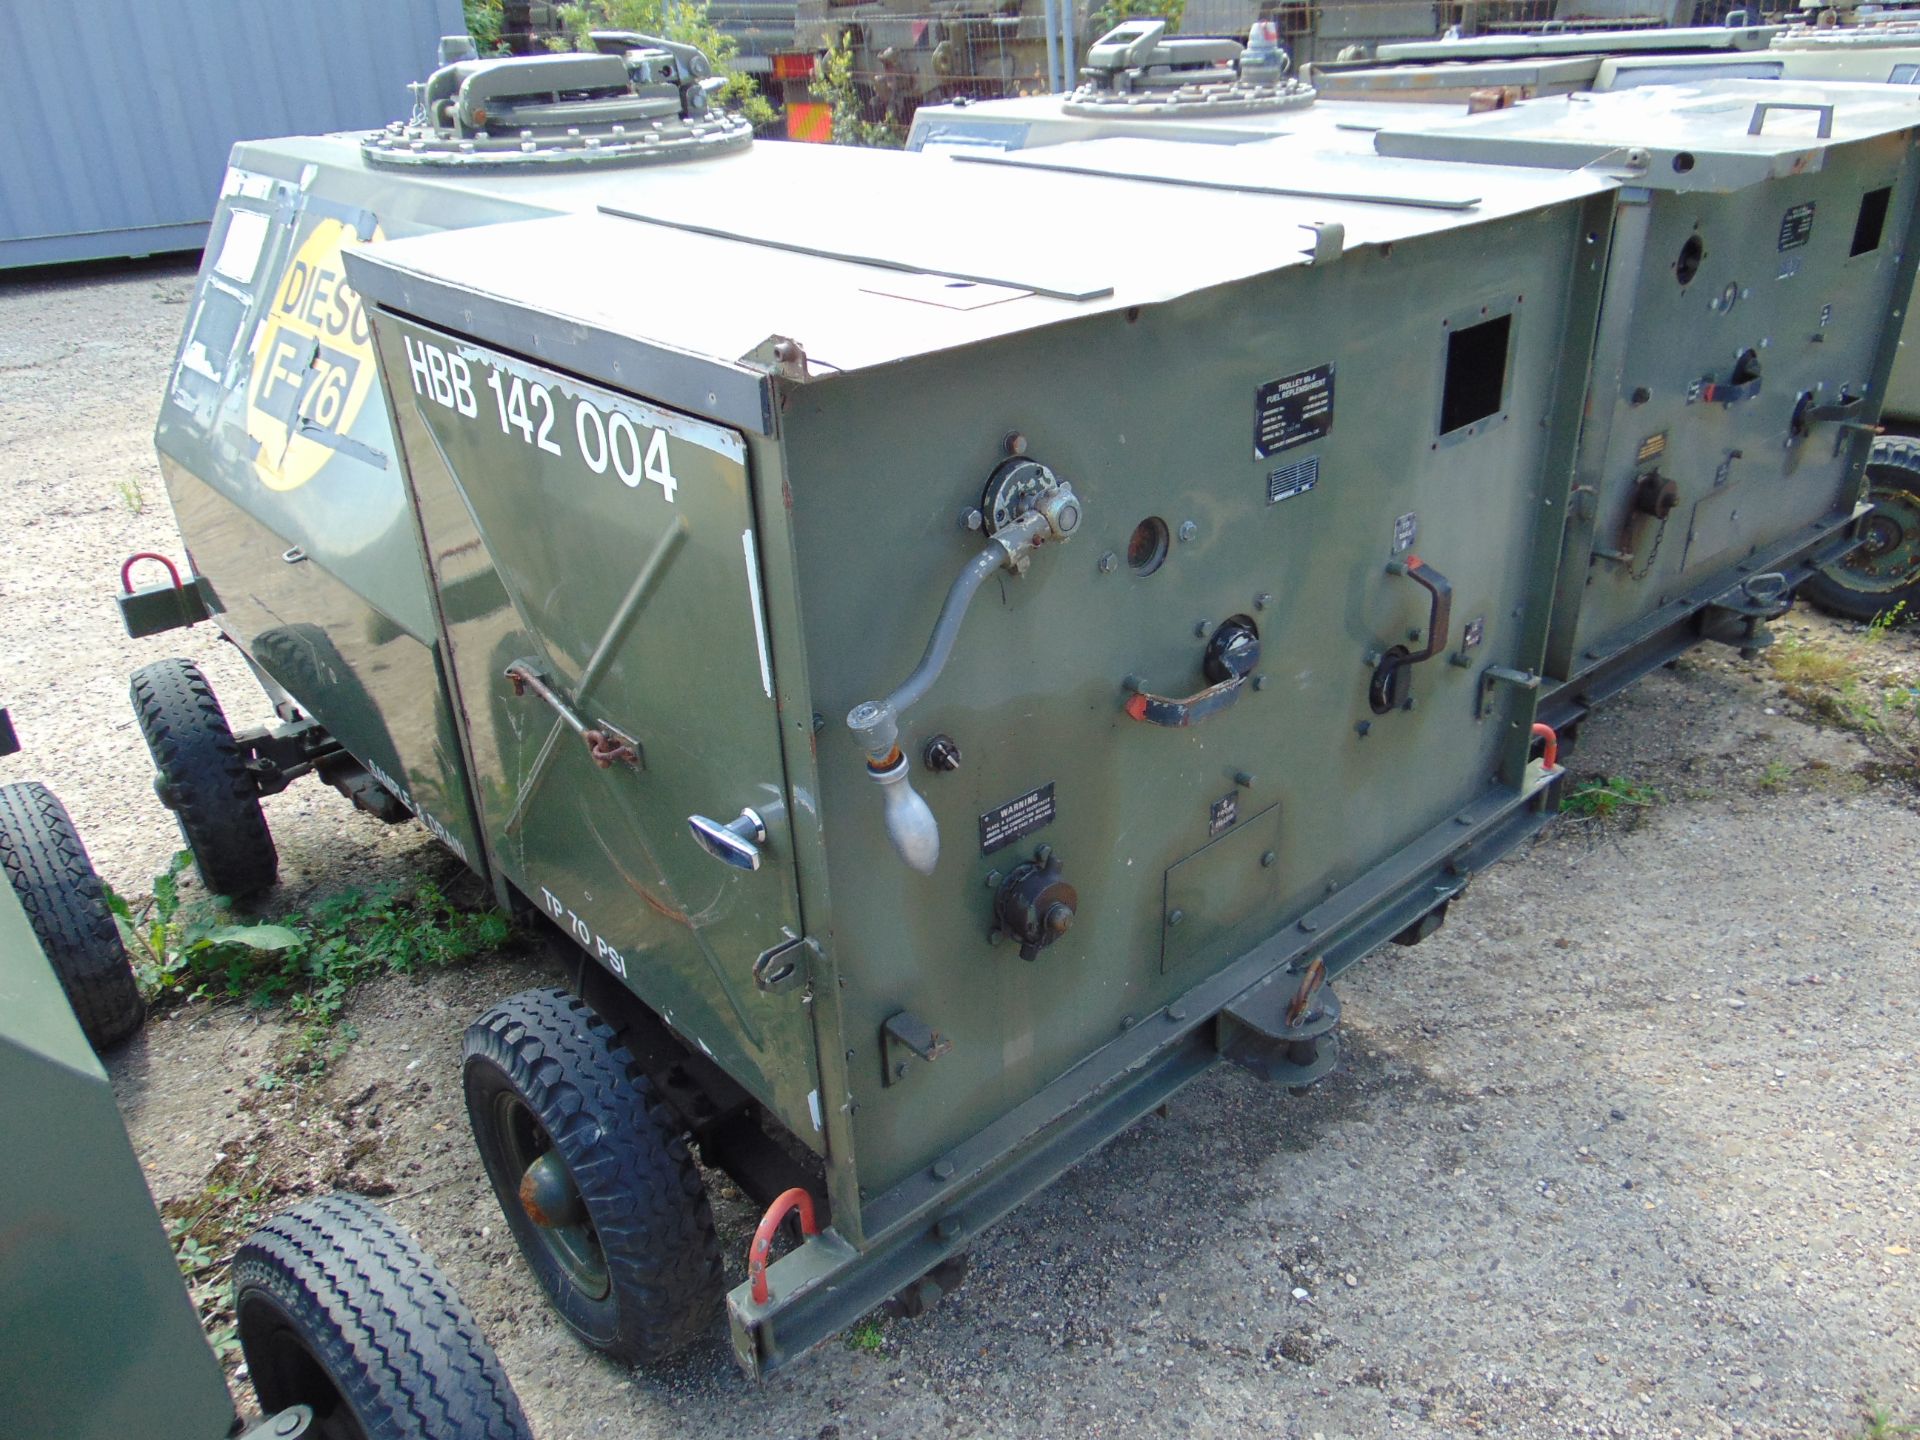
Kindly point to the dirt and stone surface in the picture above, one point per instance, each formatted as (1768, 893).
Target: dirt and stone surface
(1630, 1148)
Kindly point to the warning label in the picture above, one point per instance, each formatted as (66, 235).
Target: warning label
(1292, 410)
(1004, 824)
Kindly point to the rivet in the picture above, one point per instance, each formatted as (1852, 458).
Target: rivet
(1174, 917)
(1309, 924)
(1269, 860)
(1259, 682)
(1200, 628)
(943, 1169)
(1262, 601)
(1188, 529)
(1016, 443)
(1108, 563)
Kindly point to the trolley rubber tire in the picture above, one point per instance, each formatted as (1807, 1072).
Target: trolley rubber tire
(1892, 468)
(67, 908)
(337, 1308)
(628, 1159)
(204, 779)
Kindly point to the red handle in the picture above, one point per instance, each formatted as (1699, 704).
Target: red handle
(1551, 751)
(126, 570)
(794, 1199)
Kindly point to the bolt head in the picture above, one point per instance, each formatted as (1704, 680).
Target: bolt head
(1188, 529)
(1109, 562)
(1200, 628)
(1262, 601)
(1174, 917)
(1269, 860)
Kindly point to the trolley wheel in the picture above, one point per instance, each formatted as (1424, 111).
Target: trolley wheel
(67, 908)
(339, 1310)
(594, 1176)
(203, 778)
(1884, 573)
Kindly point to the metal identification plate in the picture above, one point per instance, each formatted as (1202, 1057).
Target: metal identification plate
(1796, 226)
(1292, 410)
(1023, 815)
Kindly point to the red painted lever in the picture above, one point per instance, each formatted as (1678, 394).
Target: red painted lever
(791, 1200)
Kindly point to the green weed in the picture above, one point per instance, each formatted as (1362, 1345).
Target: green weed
(1885, 621)
(308, 962)
(1880, 1425)
(1602, 797)
(205, 1231)
(867, 1336)
(132, 496)
(1775, 776)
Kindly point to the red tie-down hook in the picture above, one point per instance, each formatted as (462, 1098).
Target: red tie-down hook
(1550, 751)
(790, 1201)
(126, 570)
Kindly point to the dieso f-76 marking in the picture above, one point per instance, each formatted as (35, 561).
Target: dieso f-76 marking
(604, 437)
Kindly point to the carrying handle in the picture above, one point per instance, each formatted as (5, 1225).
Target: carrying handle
(1823, 131)
(1440, 611)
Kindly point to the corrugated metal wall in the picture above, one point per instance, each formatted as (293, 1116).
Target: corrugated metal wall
(116, 116)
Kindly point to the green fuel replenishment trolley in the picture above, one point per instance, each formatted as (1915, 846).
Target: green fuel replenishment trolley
(348, 1330)
(951, 683)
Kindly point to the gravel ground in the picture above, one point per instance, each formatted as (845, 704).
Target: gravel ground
(1630, 1148)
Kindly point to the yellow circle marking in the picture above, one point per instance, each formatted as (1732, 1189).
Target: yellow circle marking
(313, 368)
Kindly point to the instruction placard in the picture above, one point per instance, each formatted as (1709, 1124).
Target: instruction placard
(1023, 815)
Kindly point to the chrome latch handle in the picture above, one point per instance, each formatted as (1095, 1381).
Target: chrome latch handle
(737, 843)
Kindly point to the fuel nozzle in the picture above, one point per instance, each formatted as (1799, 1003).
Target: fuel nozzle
(1025, 506)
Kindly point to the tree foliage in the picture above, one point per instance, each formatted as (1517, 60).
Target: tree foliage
(833, 83)
(684, 21)
(1110, 13)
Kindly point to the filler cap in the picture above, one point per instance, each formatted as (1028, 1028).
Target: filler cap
(640, 100)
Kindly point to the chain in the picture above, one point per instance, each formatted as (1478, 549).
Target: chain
(1653, 553)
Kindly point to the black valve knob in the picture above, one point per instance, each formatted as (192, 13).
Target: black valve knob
(1034, 905)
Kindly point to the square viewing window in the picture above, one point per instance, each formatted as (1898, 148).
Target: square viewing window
(1476, 378)
(1873, 220)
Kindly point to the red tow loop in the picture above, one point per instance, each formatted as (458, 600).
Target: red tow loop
(1550, 752)
(794, 1199)
(126, 570)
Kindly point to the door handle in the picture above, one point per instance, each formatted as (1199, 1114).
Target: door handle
(606, 746)
(736, 843)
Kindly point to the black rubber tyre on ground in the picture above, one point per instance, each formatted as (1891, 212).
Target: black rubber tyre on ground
(563, 1118)
(337, 1308)
(203, 778)
(67, 908)
(1884, 572)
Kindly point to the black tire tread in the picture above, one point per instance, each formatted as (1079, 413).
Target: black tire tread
(384, 1323)
(212, 795)
(629, 1157)
(67, 907)
(1827, 589)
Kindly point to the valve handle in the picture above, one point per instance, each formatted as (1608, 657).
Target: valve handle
(736, 843)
